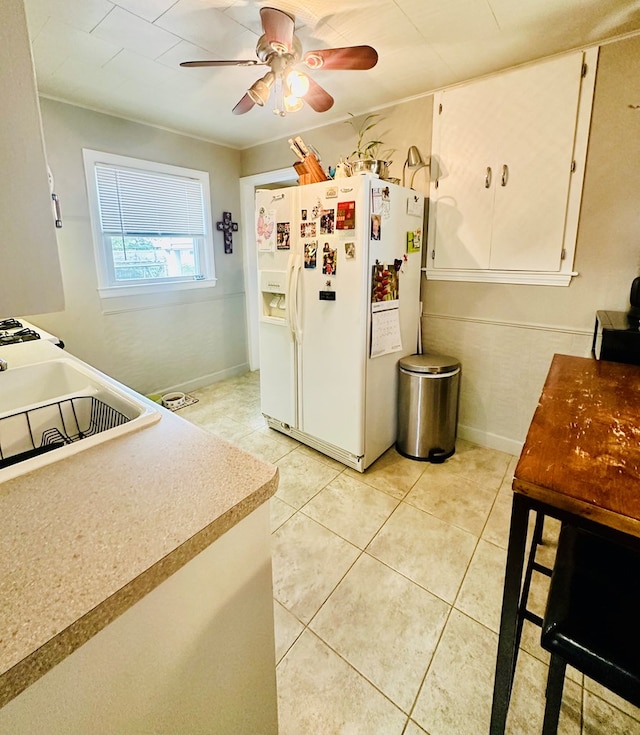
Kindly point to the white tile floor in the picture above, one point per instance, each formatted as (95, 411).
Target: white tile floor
(388, 586)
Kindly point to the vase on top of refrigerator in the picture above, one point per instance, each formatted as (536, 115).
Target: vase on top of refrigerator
(339, 277)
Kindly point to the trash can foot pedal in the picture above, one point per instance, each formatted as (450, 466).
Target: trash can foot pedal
(435, 456)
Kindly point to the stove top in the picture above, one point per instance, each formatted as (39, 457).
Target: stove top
(17, 336)
(13, 331)
(10, 323)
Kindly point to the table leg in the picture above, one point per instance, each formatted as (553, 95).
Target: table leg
(509, 618)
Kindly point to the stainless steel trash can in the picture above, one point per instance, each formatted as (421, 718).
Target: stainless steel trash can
(428, 389)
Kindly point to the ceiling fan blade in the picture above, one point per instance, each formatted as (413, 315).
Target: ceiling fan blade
(318, 98)
(278, 29)
(245, 104)
(229, 62)
(349, 57)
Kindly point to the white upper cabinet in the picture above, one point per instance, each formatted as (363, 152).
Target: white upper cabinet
(30, 280)
(507, 168)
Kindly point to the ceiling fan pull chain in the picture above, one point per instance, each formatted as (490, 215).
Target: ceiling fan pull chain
(278, 97)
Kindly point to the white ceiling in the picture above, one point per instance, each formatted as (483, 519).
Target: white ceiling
(122, 56)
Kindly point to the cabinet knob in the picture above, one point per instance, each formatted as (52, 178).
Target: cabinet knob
(487, 178)
(505, 175)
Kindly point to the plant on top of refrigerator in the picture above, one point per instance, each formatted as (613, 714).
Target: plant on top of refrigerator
(367, 146)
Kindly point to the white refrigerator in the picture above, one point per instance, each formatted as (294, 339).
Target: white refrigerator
(339, 278)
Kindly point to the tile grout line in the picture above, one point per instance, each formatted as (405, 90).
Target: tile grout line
(252, 429)
(359, 556)
(452, 605)
(359, 673)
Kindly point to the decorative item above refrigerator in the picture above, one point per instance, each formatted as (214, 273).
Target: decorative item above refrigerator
(339, 278)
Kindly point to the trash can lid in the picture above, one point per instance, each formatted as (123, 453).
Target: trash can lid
(429, 363)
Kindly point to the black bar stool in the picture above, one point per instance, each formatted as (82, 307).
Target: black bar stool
(532, 566)
(592, 620)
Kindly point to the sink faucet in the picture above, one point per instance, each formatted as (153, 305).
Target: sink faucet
(3, 364)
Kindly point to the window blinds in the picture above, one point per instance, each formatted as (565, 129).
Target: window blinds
(134, 202)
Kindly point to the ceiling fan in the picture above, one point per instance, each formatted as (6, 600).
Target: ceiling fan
(280, 49)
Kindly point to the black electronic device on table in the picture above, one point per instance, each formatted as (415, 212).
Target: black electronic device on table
(616, 336)
(634, 298)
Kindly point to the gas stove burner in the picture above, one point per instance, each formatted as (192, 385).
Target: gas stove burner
(22, 335)
(10, 324)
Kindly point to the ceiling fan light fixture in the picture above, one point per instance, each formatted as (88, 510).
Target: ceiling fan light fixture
(298, 83)
(260, 90)
(280, 49)
(293, 103)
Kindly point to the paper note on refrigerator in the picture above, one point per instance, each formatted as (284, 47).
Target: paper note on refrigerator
(385, 332)
(265, 229)
(415, 205)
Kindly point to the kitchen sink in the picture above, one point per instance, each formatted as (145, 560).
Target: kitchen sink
(29, 385)
(50, 410)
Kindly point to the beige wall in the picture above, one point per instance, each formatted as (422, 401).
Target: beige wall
(400, 126)
(154, 342)
(505, 335)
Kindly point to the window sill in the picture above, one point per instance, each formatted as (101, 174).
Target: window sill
(153, 288)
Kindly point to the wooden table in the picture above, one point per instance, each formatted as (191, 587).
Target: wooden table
(580, 463)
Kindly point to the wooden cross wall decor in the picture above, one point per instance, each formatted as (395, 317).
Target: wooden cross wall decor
(228, 227)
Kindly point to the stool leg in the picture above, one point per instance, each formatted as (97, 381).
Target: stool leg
(516, 552)
(555, 685)
(536, 540)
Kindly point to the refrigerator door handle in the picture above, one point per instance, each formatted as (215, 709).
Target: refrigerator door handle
(297, 314)
(291, 295)
(293, 282)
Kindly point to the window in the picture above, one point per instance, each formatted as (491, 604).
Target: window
(151, 224)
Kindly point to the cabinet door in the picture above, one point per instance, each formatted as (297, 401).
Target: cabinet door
(463, 206)
(533, 164)
(31, 280)
(504, 196)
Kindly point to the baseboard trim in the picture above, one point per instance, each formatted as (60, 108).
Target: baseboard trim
(491, 441)
(205, 380)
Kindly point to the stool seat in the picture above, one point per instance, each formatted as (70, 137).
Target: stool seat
(592, 619)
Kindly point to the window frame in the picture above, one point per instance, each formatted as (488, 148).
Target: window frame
(107, 286)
